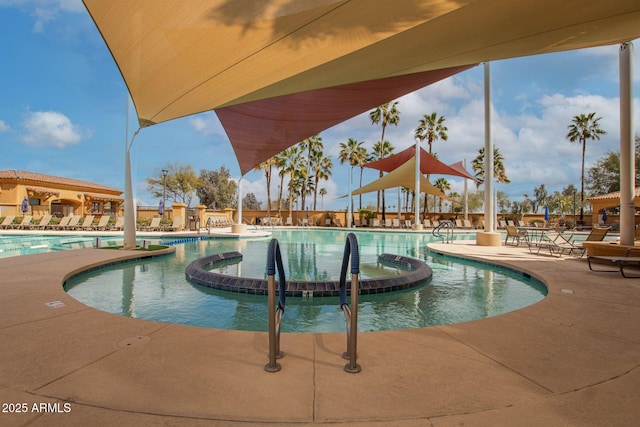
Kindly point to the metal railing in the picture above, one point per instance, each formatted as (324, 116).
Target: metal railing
(351, 315)
(448, 226)
(274, 258)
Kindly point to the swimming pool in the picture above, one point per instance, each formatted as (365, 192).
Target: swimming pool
(156, 289)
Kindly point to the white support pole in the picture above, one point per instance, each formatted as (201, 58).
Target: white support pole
(627, 152)
(129, 227)
(466, 194)
(418, 225)
(350, 209)
(488, 154)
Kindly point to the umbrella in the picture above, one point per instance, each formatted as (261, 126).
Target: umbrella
(25, 204)
(161, 207)
(546, 213)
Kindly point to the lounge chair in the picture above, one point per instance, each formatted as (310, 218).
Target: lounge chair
(44, 221)
(327, 222)
(407, 224)
(154, 225)
(64, 221)
(597, 234)
(87, 224)
(467, 224)
(426, 223)
(102, 224)
(177, 224)
(396, 223)
(556, 243)
(338, 222)
(289, 221)
(26, 221)
(119, 224)
(376, 223)
(621, 261)
(387, 223)
(458, 223)
(8, 220)
(73, 223)
(502, 223)
(435, 223)
(516, 236)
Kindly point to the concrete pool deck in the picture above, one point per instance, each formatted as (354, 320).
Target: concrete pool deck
(569, 360)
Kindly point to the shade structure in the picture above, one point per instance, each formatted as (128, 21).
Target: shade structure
(402, 176)
(180, 57)
(428, 164)
(260, 129)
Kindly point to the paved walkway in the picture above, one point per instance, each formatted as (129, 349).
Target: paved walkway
(570, 360)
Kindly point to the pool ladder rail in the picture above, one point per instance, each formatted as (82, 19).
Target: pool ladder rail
(448, 227)
(274, 259)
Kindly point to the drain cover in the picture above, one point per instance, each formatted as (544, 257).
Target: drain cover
(134, 342)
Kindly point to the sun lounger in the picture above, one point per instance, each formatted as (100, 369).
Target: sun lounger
(338, 223)
(327, 222)
(376, 223)
(154, 225)
(387, 223)
(467, 224)
(26, 221)
(556, 243)
(8, 220)
(64, 221)
(177, 224)
(620, 261)
(73, 223)
(87, 224)
(119, 224)
(102, 224)
(44, 221)
(407, 224)
(396, 223)
(426, 223)
(597, 234)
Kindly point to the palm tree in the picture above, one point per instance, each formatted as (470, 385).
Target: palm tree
(498, 167)
(322, 170)
(443, 185)
(386, 114)
(366, 158)
(323, 192)
(311, 146)
(431, 127)
(280, 161)
(267, 167)
(584, 127)
(380, 151)
(351, 152)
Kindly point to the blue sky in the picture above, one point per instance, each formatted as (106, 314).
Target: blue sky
(63, 112)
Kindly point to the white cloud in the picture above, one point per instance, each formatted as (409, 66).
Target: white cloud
(207, 124)
(45, 11)
(50, 129)
(3, 126)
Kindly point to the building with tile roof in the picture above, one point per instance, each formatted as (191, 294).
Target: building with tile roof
(47, 194)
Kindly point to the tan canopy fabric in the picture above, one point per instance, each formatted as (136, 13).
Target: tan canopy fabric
(428, 164)
(180, 57)
(402, 176)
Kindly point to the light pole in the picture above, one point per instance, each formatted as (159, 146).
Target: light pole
(164, 190)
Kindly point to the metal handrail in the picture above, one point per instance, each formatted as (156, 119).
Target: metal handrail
(449, 225)
(275, 314)
(351, 315)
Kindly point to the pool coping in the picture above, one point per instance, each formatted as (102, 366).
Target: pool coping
(571, 359)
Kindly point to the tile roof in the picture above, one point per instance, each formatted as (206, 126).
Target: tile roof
(612, 196)
(39, 178)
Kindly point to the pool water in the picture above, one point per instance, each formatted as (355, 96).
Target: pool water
(27, 244)
(156, 289)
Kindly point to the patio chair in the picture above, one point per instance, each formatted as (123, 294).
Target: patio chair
(621, 261)
(458, 223)
(364, 222)
(119, 224)
(102, 224)
(467, 224)
(327, 222)
(387, 223)
(26, 220)
(407, 224)
(289, 221)
(426, 223)
(597, 234)
(64, 221)
(8, 220)
(44, 221)
(177, 224)
(73, 222)
(516, 236)
(87, 224)
(376, 223)
(556, 243)
(396, 223)
(154, 225)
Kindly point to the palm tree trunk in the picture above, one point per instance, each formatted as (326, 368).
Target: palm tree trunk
(584, 146)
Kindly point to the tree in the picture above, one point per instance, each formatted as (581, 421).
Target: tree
(584, 127)
(311, 146)
(431, 127)
(386, 114)
(322, 170)
(353, 153)
(323, 192)
(498, 167)
(540, 194)
(181, 183)
(217, 190)
(604, 176)
(267, 166)
(443, 185)
(250, 202)
(380, 151)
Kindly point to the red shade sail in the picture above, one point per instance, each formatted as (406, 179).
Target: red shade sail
(428, 164)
